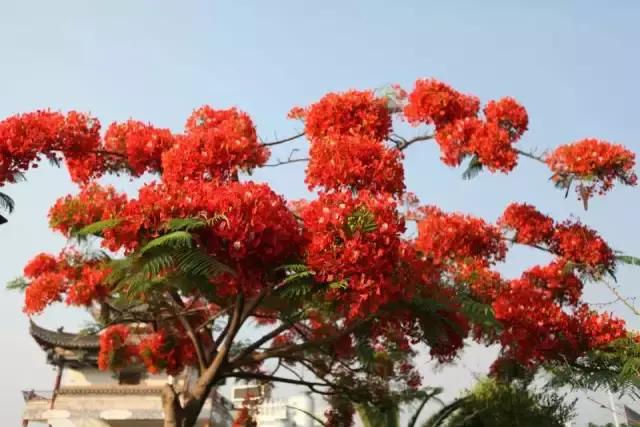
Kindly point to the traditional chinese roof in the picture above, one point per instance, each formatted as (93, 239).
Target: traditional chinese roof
(62, 347)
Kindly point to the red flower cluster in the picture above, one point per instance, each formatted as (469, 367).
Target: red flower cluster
(537, 329)
(51, 277)
(141, 144)
(24, 138)
(459, 131)
(597, 164)
(353, 239)
(437, 103)
(453, 139)
(116, 350)
(509, 115)
(347, 131)
(94, 203)
(352, 113)
(531, 227)
(600, 329)
(570, 240)
(216, 145)
(355, 162)
(578, 243)
(484, 283)
(556, 278)
(456, 237)
(162, 351)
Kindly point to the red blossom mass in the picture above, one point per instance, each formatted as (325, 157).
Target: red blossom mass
(51, 277)
(456, 237)
(141, 144)
(436, 103)
(217, 144)
(530, 226)
(596, 164)
(355, 162)
(578, 243)
(350, 242)
(116, 349)
(26, 138)
(352, 113)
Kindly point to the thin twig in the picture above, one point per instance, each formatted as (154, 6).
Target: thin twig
(282, 141)
(615, 291)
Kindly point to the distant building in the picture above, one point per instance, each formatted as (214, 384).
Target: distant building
(297, 411)
(84, 396)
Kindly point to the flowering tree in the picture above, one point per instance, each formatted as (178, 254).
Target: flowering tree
(340, 286)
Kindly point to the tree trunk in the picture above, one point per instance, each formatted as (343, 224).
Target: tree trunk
(177, 415)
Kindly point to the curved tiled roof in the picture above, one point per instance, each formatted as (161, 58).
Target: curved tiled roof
(48, 339)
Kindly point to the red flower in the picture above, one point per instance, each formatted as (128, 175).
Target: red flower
(94, 203)
(456, 237)
(140, 143)
(578, 243)
(162, 351)
(74, 137)
(434, 102)
(217, 144)
(493, 146)
(531, 227)
(352, 113)
(454, 138)
(558, 279)
(115, 350)
(508, 114)
(595, 163)
(83, 281)
(356, 163)
(351, 243)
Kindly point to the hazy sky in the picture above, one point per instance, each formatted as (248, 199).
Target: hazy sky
(574, 65)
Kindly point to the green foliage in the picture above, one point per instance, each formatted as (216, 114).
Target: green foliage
(494, 404)
(628, 259)
(190, 224)
(473, 168)
(97, 228)
(615, 367)
(479, 313)
(17, 284)
(173, 259)
(361, 220)
(175, 239)
(375, 416)
(6, 202)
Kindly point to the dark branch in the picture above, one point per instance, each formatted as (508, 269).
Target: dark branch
(403, 143)
(282, 141)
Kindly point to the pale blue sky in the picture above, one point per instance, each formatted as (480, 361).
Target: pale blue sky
(574, 65)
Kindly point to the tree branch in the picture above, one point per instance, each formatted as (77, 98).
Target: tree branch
(256, 345)
(403, 143)
(282, 141)
(293, 348)
(197, 344)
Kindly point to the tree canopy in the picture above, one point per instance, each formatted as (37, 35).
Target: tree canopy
(341, 285)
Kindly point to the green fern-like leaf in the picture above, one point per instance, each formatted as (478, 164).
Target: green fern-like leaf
(17, 284)
(361, 220)
(473, 168)
(97, 228)
(194, 262)
(190, 224)
(175, 239)
(628, 259)
(6, 203)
